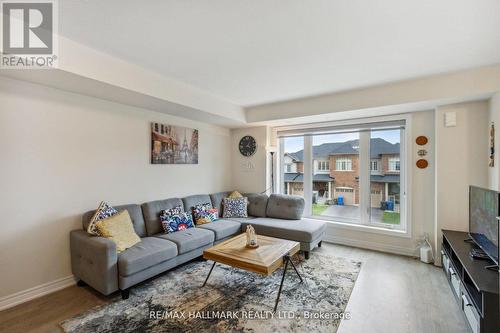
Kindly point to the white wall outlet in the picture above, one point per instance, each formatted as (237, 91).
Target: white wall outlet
(450, 119)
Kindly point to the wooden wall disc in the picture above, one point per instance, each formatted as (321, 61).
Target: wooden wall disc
(422, 164)
(421, 140)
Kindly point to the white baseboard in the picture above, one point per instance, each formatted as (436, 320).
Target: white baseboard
(371, 245)
(35, 292)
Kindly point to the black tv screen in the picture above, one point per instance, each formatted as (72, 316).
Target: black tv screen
(484, 208)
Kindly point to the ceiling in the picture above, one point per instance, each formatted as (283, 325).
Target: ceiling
(261, 51)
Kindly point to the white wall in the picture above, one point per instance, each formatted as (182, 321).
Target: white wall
(494, 117)
(250, 174)
(461, 160)
(61, 153)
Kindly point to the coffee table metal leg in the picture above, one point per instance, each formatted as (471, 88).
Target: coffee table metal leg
(296, 271)
(286, 259)
(204, 283)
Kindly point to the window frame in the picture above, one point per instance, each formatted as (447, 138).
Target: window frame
(405, 228)
(346, 160)
(397, 164)
(323, 165)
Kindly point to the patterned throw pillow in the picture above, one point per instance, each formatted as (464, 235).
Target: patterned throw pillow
(235, 207)
(172, 211)
(173, 223)
(202, 216)
(103, 212)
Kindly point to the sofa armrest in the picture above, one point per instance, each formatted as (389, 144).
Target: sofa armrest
(94, 260)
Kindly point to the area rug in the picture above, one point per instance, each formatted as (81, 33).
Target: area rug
(233, 300)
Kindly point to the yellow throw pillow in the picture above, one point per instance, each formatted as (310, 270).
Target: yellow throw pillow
(235, 194)
(119, 229)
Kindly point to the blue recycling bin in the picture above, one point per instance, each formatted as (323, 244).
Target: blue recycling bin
(340, 201)
(390, 205)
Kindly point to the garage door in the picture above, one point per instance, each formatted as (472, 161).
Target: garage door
(376, 198)
(348, 194)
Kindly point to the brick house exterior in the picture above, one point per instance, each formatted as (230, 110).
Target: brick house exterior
(341, 179)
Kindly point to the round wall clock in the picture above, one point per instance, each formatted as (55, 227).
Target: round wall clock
(247, 145)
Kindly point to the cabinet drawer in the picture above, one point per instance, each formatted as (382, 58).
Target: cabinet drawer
(455, 282)
(471, 314)
(446, 262)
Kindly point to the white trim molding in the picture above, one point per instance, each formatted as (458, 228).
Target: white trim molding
(35, 292)
(410, 252)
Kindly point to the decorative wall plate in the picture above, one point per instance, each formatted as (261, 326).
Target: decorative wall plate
(421, 140)
(422, 164)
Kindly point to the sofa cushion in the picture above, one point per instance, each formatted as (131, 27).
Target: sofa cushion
(175, 223)
(241, 219)
(193, 200)
(152, 211)
(235, 207)
(203, 216)
(217, 200)
(135, 213)
(257, 204)
(104, 211)
(281, 206)
(149, 252)
(189, 239)
(223, 228)
(303, 230)
(119, 229)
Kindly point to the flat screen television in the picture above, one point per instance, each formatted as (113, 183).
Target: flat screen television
(484, 208)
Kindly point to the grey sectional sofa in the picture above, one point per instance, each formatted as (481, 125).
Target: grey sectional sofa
(95, 262)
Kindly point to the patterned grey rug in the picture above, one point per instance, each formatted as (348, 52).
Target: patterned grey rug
(232, 301)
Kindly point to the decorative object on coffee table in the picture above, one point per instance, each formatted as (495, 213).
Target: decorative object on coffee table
(263, 260)
(251, 237)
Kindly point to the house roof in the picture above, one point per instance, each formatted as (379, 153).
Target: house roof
(384, 179)
(378, 147)
(297, 177)
(294, 157)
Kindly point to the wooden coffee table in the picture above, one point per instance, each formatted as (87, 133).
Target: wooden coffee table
(267, 258)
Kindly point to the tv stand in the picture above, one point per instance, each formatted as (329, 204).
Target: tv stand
(474, 286)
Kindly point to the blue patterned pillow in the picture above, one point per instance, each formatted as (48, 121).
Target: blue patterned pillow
(235, 207)
(173, 223)
(103, 212)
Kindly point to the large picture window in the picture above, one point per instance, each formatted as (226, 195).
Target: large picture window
(351, 174)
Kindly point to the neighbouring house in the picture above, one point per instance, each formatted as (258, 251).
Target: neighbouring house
(336, 172)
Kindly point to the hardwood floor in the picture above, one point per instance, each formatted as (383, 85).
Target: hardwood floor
(392, 294)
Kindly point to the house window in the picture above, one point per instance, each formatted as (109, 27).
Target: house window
(288, 168)
(323, 165)
(394, 164)
(366, 194)
(343, 164)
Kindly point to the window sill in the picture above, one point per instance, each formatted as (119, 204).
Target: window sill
(362, 227)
